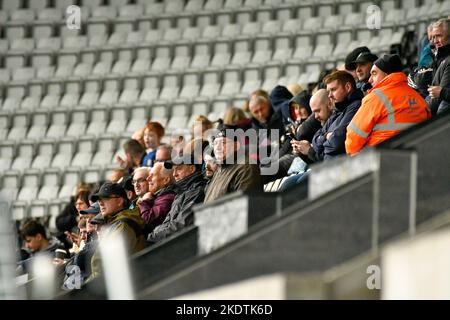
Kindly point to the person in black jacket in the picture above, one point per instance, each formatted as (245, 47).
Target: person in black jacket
(439, 91)
(189, 187)
(329, 141)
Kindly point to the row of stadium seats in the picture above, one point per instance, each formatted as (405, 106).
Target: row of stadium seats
(153, 30)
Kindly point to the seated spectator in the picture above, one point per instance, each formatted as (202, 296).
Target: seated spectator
(236, 117)
(234, 172)
(350, 65)
(390, 107)
(263, 114)
(424, 51)
(201, 127)
(127, 184)
(67, 220)
(119, 220)
(322, 108)
(190, 185)
(439, 91)
(163, 153)
(295, 89)
(140, 183)
(157, 202)
(177, 142)
(329, 141)
(268, 124)
(364, 63)
(299, 108)
(37, 242)
(116, 175)
(88, 245)
(135, 154)
(279, 98)
(153, 134)
(211, 166)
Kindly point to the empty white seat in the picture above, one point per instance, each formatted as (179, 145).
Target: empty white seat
(78, 122)
(118, 121)
(50, 101)
(70, 179)
(98, 122)
(129, 96)
(19, 126)
(89, 98)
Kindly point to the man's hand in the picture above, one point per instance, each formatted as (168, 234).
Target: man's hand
(329, 135)
(301, 147)
(434, 92)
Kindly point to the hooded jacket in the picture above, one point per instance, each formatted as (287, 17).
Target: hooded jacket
(190, 191)
(390, 107)
(280, 97)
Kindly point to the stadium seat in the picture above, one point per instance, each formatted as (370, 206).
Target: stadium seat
(19, 124)
(70, 179)
(138, 117)
(105, 148)
(50, 185)
(30, 185)
(58, 125)
(25, 154)
(78, 122)
(82, 158)
(98, 121)
(119, 120)
(45, 151)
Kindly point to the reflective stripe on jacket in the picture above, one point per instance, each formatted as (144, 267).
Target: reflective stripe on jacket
(390, 107)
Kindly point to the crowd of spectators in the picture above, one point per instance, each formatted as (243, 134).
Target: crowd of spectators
(149, 197)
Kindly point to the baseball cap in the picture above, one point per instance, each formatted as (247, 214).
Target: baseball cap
(94, 209)
(109, 190)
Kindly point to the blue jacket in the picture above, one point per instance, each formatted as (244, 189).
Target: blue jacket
(323, 149)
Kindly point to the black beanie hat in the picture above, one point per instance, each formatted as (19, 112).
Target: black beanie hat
(351, 57)
(389, 63)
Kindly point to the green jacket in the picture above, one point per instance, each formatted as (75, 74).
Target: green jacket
(127, 223)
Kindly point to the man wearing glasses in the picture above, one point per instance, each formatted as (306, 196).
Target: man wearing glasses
(140, 183)
(118, 220)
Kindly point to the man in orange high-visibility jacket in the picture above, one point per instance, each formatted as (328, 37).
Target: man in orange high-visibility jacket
(390, 107)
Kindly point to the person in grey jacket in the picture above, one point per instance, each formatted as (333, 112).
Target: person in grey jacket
(189, 187)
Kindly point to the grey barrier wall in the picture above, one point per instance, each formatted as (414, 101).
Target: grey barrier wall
(430, 140)
(230, 217)
(330, 230)
(395, 173)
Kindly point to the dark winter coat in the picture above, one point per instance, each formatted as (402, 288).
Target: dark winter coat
(190, 191)
(154, 210)
(323, 149)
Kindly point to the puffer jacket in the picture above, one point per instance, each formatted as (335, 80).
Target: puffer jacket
(390, 107)
(324, 149)
(190, 191)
